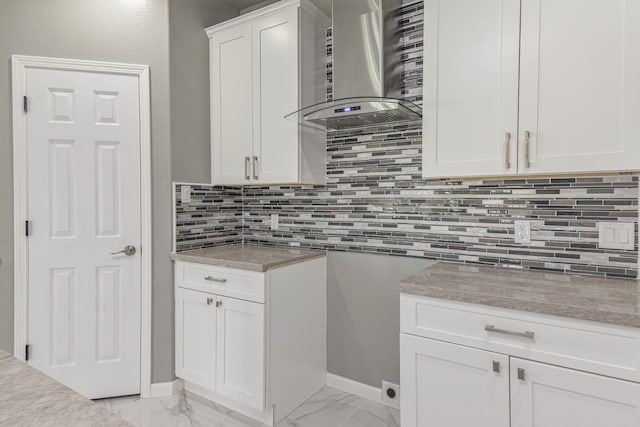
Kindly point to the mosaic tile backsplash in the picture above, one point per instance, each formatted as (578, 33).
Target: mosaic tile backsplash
(375, 201)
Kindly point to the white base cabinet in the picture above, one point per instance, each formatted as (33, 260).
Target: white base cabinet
(195, 342)
(239, 340)
(469, 365)
(549, 396)
(450, 385)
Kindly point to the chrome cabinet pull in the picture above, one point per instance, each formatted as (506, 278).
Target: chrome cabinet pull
(255, 167)
(215, 279)
(507, 150)
(521, 374)
(525, 334)
(496, 366)
(209, 301)
(527, 136)
(218, 303)
(247, 160)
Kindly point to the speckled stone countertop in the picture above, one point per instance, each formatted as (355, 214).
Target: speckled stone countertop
(614, 301)
(254, 258)
(30, 398)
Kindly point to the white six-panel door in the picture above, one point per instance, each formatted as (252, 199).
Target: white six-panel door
(549, 396)
(83, 204)
(470, 108)
(580, 85)
(450, 385)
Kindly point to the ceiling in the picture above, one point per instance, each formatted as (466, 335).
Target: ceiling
(324, 5)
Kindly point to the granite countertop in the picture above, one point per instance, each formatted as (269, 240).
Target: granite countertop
(29, 397)
(614, 301)
(243, 257)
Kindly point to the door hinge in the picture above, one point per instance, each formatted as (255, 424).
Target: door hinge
(25, 104)
(27, 352)
(27, 228)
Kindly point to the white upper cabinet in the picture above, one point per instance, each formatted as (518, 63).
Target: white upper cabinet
(579, 87)
(256, 63)
(470, 107)
(231, 95)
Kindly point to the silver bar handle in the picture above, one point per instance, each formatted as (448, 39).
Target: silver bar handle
(247, 160)
(527, 136)
(507, 150)
(525, 334)
(255, 167)
(496, 366)
(521, 374)
(215, 279)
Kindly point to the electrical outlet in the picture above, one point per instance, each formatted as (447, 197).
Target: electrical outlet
(616, 235)
(185, 194)
(275, 221)
(391, 394)
(522, 231)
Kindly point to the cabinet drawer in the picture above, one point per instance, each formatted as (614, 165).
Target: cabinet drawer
(607, 349)
(246, 285)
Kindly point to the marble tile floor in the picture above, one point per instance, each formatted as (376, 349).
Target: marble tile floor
(327, 408)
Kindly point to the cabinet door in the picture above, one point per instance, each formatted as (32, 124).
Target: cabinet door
(275, 94)
(580, 80)
(470, 109)
(549, 396)
(449, 385)
(231, 107)
(196, 337)
(241, 351)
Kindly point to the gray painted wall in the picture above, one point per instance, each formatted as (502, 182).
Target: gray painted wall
(364, 315)
(118, 31)
(189, 71)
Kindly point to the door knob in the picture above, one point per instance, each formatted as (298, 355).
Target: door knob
(128, 251)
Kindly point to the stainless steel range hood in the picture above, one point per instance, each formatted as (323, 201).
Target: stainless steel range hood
(367, 75)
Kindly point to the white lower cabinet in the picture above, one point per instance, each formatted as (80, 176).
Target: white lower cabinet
(549, 396)
(240, 358)
(196, 319)
(239, 340)
(450, 385)
(484, 375)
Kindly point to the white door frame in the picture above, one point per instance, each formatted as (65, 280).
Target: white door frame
(20, 64)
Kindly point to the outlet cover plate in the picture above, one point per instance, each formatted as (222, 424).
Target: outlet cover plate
(522, 231)
(616, 235)
(185, 194)
(275, 221)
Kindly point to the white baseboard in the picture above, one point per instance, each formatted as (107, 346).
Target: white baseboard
(359, 389)
(166, 389)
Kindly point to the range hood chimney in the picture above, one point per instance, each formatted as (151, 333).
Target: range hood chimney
(367, 76)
